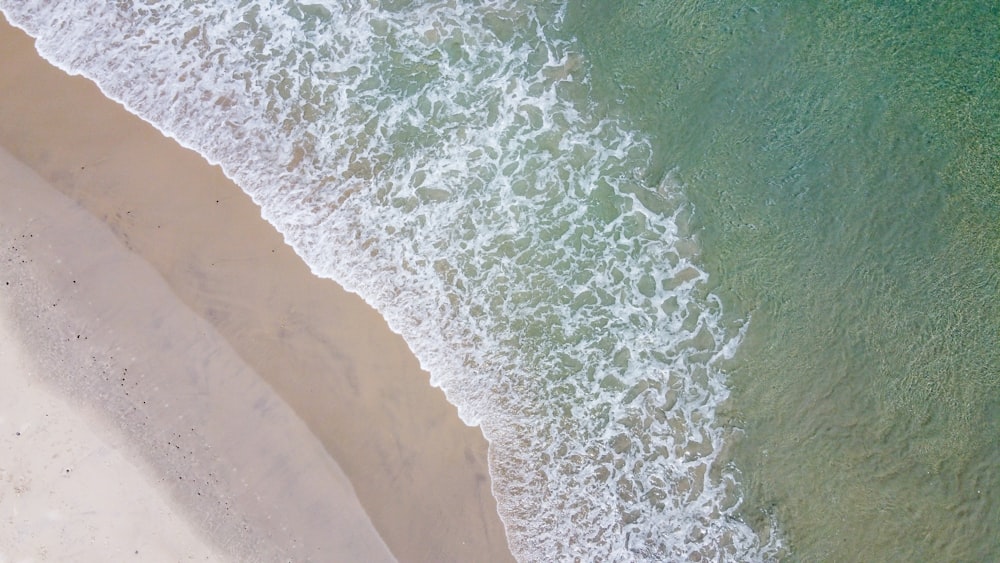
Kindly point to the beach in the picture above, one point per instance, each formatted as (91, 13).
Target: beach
(269, 412)
(714, 281)
(68, 491)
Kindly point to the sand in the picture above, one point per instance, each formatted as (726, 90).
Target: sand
(67, 490)
(273, 411)
(102, 329)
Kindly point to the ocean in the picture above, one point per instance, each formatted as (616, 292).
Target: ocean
(716, 281)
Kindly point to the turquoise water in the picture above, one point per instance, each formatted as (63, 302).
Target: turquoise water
(844, 162)
(716, 282)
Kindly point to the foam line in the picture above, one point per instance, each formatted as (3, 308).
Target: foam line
(445, 161)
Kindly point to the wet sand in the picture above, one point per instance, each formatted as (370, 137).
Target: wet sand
(257, 342)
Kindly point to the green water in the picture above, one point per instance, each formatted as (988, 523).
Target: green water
(843, 159)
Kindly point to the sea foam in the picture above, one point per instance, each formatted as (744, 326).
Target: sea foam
(445, 161)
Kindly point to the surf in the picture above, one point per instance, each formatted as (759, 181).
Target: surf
(448, 163)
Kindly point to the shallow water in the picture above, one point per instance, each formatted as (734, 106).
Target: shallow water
(844, 163)
(448, 162)
(715, 281)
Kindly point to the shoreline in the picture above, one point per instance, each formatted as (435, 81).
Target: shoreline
(419, 473)
(146, 374)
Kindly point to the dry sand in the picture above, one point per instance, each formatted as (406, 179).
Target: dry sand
(262, 349)
(67, 490)
(166, 390)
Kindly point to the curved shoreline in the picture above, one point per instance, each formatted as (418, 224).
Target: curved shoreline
(419, 473)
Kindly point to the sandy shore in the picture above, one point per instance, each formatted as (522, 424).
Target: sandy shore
(67, 490)
(150, 384)
(226, 368)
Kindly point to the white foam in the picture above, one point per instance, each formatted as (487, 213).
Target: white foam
(443, 160)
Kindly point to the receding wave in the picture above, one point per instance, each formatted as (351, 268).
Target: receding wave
(444, 161)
